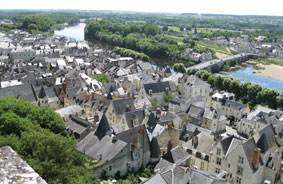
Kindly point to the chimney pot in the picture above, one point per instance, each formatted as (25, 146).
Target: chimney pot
(195, 141)
(256, 157)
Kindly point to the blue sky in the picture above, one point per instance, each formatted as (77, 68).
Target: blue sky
(240, 7)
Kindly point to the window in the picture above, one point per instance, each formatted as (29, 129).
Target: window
(201, 165)
(217, 170)
(238, 180)
(110, 168)
(218, 151)
(241, 160)
(239, 170)
(218, 161)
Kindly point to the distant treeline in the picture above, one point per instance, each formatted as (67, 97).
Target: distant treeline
(39, 22)
(147, 39)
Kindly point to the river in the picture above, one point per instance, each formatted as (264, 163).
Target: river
(76, 32)
(244, 74)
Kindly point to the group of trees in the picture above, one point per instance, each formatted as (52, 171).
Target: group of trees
(40, 22)
(247, 92)
(131, 53)
(103, 78)
(145, 38)
(179, 67)
(37, 22)
(38, 135)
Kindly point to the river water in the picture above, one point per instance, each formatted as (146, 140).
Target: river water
(76, 32)
(244, 74)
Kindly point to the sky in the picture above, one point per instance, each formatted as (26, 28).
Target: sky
(238, 7)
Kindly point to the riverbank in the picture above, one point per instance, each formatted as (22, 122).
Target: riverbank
(272, 71)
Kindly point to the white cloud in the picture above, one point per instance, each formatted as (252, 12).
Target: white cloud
(243, 7)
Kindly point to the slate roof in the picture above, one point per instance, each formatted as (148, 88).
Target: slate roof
(206, 143)
(100, 149)
(154, 148)
(131, 137)
(203, 177)
(156, 179)
(249, 146)
(195, 112)
(195, 81)
(213, 114)
(120, 105)
(158, 87)
(177, 101)
(137, 115)
(42, 93)
(103, 128)
(145, 66)
(72, 91)
(235, 105)
(152, 121)
(176, 155)
(75, 127)
(25, 91)
(267, 139)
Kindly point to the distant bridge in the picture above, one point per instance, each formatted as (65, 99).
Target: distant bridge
(216, 65)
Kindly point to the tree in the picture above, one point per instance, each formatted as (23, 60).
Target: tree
(165, 28)
(43, 22)
(150, 29)
(169, 97)
(10, 123)
(192, 71)
(179, 67)
(49, 151)
(279, 100)
(103, 78)
(226, 67)
(32, 27)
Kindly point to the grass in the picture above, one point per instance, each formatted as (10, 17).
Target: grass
(267, 61)
(174, 28)
(214, 29)
(213, 47)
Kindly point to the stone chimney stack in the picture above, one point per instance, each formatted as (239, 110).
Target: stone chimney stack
(169, 146)
(256, 157)
(195, 141)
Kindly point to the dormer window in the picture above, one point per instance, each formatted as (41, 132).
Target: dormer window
(218, 151)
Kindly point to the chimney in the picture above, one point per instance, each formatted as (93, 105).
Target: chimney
(128, 108)
(195, 141)
(256, 157)
(158, 111)
(169, 146)
(95, 119)
(167, 90)
(170, 126)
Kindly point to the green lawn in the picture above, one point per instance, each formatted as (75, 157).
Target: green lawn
(216, 48)
(267, 61)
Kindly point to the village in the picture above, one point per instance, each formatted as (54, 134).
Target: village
(144, 115)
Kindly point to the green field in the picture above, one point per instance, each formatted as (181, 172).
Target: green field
(213, 47)
(267, 61)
